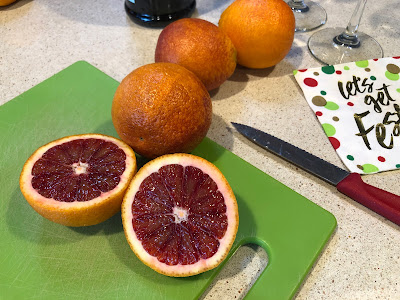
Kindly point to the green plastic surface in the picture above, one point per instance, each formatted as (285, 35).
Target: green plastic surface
(43, 260)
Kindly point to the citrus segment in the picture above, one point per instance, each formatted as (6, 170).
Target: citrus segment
(78, 180)
(180, 215)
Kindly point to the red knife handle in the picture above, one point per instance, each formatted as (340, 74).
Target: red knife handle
(382, 202)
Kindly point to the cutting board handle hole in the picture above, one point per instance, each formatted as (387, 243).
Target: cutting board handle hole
(238, 272)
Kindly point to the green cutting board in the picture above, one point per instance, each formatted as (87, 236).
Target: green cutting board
(43, 260)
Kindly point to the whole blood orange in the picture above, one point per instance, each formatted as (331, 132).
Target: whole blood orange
(180, 215)
(261, 30)
(6, 2)
(199, 46)
(161, 108)
(78, 180)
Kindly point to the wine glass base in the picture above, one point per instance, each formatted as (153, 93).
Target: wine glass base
(322, 46)
(309, 19)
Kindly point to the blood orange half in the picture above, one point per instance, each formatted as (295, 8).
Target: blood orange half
(78, 180)
(180, 215)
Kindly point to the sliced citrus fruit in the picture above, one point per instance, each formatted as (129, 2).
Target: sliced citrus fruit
(180, 215)
(78, 180)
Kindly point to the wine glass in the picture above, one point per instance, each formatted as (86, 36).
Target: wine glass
(340, 45)
(308, 15)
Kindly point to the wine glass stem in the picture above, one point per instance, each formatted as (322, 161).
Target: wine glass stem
(298, 5)
(349, 37)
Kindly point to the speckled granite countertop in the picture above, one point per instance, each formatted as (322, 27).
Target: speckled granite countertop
(362, 260)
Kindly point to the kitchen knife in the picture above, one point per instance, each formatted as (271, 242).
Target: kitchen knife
(382, 202)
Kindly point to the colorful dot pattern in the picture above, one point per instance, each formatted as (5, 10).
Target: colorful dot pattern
(336, 112)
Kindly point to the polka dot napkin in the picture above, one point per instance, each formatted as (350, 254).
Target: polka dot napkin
(358, 106)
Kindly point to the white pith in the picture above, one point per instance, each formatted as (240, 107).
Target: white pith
(26, 176)
(180, 214)
(225, 242)
(80, 167)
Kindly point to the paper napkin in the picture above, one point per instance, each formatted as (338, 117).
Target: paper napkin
(358, 106)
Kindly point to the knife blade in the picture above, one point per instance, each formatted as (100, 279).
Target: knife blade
(351, 184)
